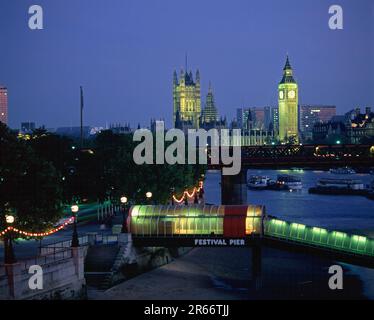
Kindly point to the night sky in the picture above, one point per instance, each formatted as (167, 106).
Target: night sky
(124, 54)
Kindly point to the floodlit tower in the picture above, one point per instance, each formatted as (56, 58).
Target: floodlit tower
(187, 98)
(288, 96)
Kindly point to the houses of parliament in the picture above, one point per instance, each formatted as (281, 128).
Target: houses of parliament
(188, 113)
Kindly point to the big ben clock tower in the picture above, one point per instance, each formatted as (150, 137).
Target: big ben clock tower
(288, 97)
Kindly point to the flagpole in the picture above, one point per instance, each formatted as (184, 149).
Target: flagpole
(81, 116)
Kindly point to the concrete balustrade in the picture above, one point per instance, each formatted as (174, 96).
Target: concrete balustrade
(63, 277)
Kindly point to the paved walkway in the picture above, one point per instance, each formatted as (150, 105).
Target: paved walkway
(225, 274)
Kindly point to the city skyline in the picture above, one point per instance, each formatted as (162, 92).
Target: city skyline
(200, 150)
(116, 60)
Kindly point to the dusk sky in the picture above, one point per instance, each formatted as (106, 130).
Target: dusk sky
(124, 53)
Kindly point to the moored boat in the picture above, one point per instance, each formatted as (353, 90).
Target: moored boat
(289, 182)
(340, 187)
(258, 182)
(352, 184)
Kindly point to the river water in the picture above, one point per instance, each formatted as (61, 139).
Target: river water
(353, 214)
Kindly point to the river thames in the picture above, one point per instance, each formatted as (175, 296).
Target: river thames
(353, 214)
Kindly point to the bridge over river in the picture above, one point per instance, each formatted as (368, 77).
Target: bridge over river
(234, 189)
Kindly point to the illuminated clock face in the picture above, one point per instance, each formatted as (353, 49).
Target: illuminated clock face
(291, 94)
(281, 94)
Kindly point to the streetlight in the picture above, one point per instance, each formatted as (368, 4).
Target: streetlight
(9, 219)
(9, 257)
(148, 195)
(75, 240)
(123, 200)
(124, 213)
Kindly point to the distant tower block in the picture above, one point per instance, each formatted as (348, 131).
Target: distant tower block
(186, 99)
(4, 105)
(288, 96)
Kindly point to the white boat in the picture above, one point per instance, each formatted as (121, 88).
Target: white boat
(258, 182)
(289, 182)
(345, 170)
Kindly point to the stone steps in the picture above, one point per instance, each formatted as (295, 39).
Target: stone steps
(98, 265)
(100, 280)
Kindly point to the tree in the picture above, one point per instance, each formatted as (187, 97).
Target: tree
(52, 148)
(122, 176)
(30, 187)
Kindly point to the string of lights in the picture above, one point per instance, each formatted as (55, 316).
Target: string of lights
(37, 234)
(187, 194)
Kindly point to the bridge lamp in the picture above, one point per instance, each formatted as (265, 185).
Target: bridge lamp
(338, 142)
(75, 241)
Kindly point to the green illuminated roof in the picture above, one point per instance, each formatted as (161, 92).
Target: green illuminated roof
(318, 237)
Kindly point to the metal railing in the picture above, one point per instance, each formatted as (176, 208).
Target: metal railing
(83, 241)
(40, 260)
(47, 258)
(106, 239)
(59, 251)
(61, 245)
